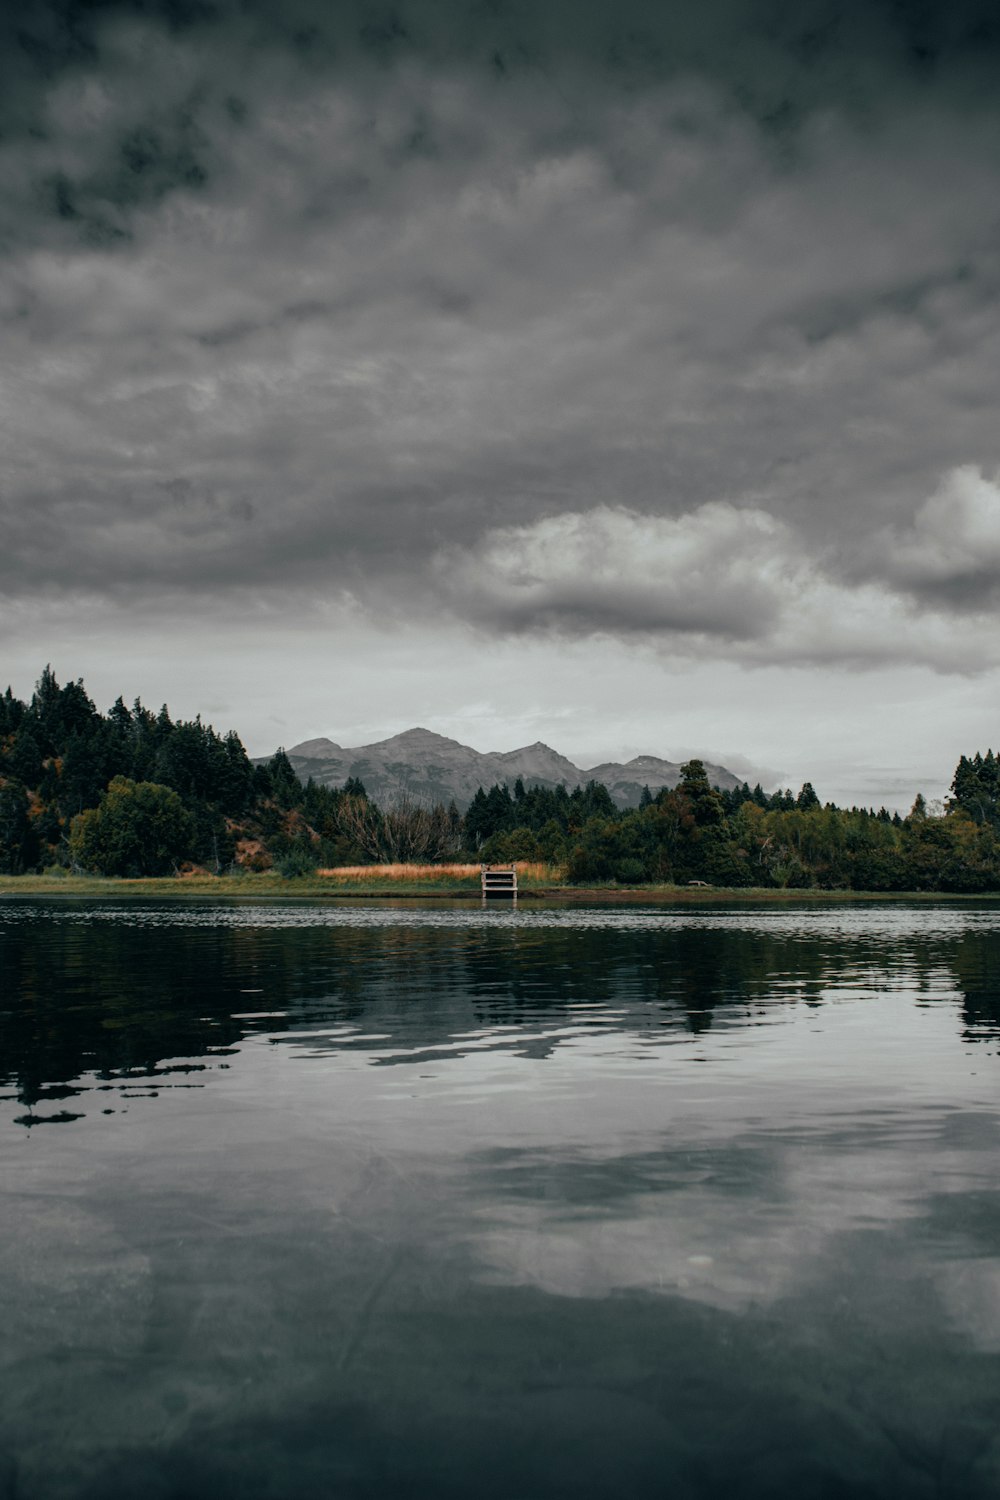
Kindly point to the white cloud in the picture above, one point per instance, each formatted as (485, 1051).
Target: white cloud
(711, 571)
(717, 580)
(954, 540)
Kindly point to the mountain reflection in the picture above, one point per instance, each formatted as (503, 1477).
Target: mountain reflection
(135, 999)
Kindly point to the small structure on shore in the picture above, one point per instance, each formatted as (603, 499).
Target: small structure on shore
(499, 880)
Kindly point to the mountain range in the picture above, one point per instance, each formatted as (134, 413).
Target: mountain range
(431, 768)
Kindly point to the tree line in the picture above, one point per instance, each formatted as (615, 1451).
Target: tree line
(695, 832)
(134, 792)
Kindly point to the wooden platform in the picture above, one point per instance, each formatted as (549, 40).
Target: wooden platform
(499, 881)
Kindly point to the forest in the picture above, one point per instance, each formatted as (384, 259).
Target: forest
(136, 793)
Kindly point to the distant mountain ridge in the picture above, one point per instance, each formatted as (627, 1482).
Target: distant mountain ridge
(431, 768)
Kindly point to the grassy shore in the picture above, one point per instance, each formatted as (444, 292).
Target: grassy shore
(428, 882)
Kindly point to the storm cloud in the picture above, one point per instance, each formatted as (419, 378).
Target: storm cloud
(672, 323)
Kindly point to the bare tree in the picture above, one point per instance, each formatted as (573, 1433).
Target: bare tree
(404, 833)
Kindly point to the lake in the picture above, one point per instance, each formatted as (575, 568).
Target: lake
(389, 1200)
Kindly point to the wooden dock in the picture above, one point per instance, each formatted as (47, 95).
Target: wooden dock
(499, 881)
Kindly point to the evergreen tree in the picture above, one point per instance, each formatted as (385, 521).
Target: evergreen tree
(11, 713)
(18, 839)
(286, 788)
(24, 760)
(975, 787)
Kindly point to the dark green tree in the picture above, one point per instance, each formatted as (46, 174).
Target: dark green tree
(975, 787)
(18, 839)
(138, 829)
(286, 788)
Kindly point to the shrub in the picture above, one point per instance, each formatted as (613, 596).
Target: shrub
(296, 863)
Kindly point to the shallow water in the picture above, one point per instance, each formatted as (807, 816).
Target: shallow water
(390, 1201)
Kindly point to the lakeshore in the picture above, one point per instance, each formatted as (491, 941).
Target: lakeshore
(269, 886)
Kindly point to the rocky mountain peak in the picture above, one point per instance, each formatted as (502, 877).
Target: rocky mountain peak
(429, 767)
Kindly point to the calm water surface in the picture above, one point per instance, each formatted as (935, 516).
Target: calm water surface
(381, 1202)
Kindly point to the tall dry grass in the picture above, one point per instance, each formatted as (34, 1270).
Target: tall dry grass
(526, 869)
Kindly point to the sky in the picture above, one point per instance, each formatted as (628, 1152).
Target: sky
(620, 375)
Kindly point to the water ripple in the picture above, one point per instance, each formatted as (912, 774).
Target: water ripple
(874, 922)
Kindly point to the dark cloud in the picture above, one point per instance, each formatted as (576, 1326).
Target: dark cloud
(777, 64)
(814, 45)
(404, 303)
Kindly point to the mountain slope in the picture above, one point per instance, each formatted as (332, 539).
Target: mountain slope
(429, 768)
